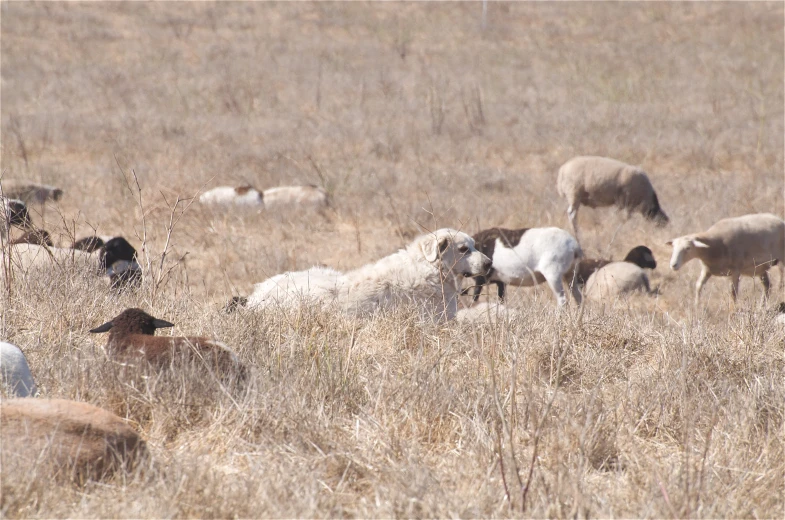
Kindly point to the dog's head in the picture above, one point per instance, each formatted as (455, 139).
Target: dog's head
(453, 252)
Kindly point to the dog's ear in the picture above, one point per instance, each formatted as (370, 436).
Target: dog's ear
(431, 247)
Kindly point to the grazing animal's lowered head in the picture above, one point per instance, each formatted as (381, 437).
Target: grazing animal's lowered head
(452, 251)
(131, 334)
(118, 258)
(88, 244)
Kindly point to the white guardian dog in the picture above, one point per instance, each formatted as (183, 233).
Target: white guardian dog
(427, 273)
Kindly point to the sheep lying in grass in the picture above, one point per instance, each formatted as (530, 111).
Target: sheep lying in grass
(426, 273)
(639, 255)
(13, 213)
(15, 372)
(246, 196)
(615, 280)
(598, 182)
(528, 256)
(131, 335)
(748, 245)
(295, 197)
(27, 257)
(65, 440)
(282, 197)
(30, 192)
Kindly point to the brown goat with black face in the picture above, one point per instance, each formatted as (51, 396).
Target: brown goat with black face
(131, 335)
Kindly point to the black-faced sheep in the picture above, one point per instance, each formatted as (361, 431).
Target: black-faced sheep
(748, 245)
(599, 182)
(639, 255)
(118, 258)
(131, 335)
(528, 256)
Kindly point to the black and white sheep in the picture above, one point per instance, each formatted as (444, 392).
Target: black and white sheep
(527, 257)
(748, 245)
(246, 196)
(599, 182)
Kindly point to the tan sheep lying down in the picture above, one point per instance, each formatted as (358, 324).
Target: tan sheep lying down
(748, 245)
(65, 440)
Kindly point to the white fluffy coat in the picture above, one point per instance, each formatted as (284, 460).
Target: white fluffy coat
(425, 273)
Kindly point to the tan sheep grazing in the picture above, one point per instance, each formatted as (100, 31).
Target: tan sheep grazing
(615, 280)
(748, 245)
(65, 440)
(600, 182)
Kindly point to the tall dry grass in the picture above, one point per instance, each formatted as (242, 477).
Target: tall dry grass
(412, 116)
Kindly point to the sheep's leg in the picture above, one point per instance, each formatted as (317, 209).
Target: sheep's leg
(734, 285)
(705, 275)
(572, 213)
(764, 279)
(500, 290)
(557, 286)
(576, 291)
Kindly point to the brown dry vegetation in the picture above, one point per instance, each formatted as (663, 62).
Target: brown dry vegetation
(410, 115)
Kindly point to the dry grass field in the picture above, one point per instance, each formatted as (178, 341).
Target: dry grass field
(412, 116)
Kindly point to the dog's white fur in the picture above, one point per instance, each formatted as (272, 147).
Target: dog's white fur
(425, 273)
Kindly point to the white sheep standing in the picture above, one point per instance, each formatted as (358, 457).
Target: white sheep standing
(15, 372)
(426, 273)
(599, 182)
(748, 245)
(527, 257)
(245, 196)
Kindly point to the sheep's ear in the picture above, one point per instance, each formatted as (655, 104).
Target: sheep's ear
(162, 324)
(103, 328)
(698, 243)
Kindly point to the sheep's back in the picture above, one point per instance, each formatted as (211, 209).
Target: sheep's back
(614, 280)
(745, 243)
(26, 257)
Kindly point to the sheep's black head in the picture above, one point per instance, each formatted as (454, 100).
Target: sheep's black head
(654, 212)
(16, 213)
(57, 194)
(88, 244)
(116, 249)
(132, 321)
(642, 257)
